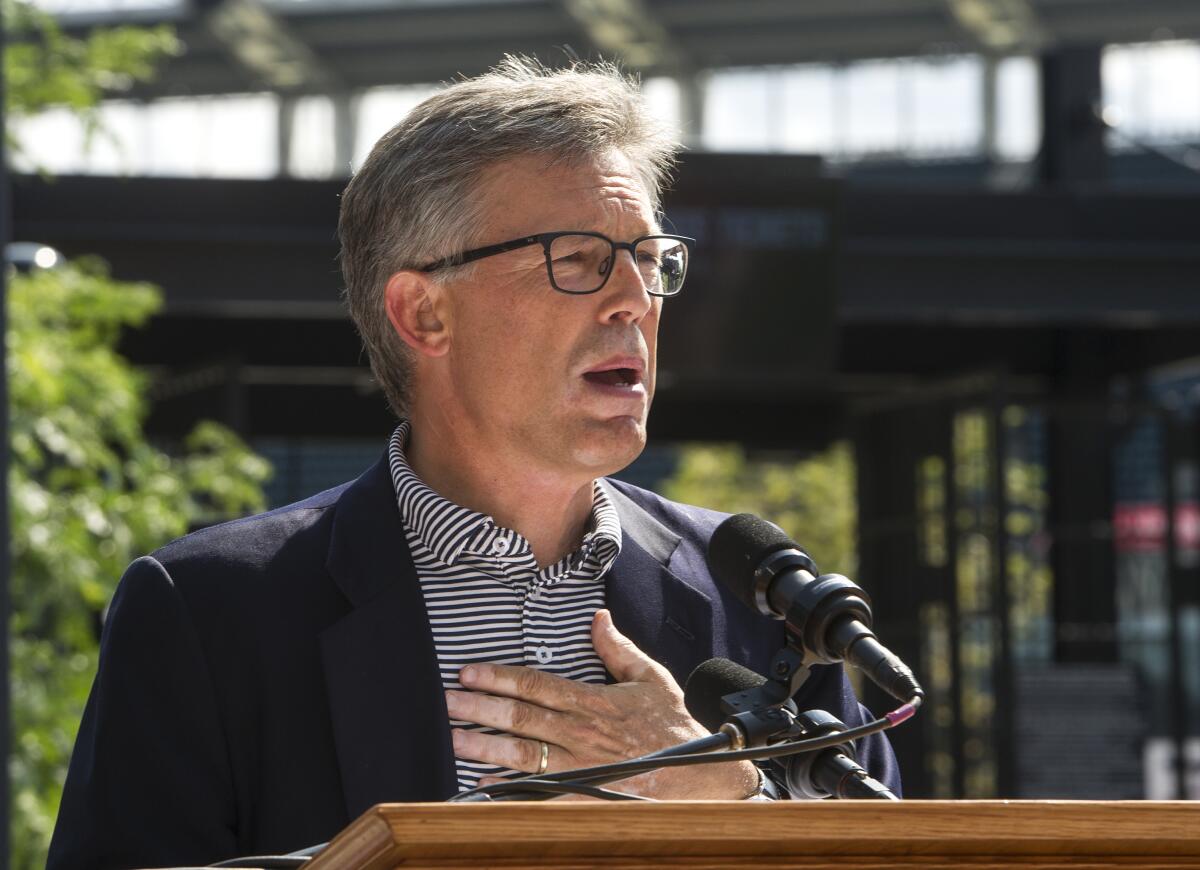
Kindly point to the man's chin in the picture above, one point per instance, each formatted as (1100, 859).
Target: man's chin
(609, 445)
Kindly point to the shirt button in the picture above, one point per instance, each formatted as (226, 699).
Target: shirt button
(499, 546)
(544, 656)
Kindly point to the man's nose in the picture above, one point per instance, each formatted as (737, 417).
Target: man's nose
(625, 292)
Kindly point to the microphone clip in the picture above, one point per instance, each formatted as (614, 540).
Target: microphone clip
(790, 667)
(754, 716)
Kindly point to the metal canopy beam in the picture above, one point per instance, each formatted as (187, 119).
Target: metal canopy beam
(412, 43)
(1000, 26)
(261, 42)
(629, 30)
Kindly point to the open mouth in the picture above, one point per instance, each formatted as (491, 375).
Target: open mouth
(615, 377)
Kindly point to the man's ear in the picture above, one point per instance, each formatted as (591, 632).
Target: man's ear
(411, 300)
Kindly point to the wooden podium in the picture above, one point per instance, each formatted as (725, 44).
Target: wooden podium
(816, 835)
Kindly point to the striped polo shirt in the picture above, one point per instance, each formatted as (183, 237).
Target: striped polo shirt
(487, 599)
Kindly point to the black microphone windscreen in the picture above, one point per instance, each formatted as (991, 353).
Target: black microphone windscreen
(738, 547)
(710, 682)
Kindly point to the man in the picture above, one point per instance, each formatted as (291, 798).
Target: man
(482, 600)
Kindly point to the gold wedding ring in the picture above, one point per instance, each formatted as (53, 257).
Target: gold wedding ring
(545, 761)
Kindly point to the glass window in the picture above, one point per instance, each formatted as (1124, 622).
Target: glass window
(875, 107)
(663, 96)
(379, 110)
(1018, 108)
(944, 106)
(737, 111)
(1151, 90)
(810, 98)
(225, 137)
(312, 152)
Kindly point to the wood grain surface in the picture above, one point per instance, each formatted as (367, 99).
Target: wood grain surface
(783, 834)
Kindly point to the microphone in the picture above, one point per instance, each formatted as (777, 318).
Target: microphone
(827, 615)
(830, 772)
(712, 681)
(724, 696)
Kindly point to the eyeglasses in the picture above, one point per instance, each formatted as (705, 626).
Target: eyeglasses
(581, 262)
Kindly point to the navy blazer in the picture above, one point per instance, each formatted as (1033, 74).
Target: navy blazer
(264, 682)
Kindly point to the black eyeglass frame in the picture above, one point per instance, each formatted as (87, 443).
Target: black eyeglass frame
(546, 239)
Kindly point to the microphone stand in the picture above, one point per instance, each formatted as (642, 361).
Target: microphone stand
(755, 716)
(553, 784)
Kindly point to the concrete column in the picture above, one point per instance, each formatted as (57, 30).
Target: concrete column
(990, 106)
(1072, 137)
(345, 131)
(693, 87)
(285, 121)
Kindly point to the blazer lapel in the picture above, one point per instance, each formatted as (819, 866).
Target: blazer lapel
(385, 690)
(668, 619)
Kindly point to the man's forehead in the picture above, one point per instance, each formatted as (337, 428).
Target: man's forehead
(536, 188)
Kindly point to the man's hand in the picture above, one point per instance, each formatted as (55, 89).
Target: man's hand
(585, 724)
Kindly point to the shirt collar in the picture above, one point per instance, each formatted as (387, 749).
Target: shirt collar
(606, 524)
(447, 529)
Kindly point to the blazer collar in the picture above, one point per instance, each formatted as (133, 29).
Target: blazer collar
(385, 691)
(367, 541)
(667, 618)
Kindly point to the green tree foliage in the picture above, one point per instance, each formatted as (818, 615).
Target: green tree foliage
(811, 499)
(88, 494)
(44, 67)
(88, 491)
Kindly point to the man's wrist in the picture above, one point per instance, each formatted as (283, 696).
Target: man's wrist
(759, 792)
(750, 781)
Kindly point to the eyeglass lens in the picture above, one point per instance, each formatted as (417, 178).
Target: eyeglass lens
(580, 263)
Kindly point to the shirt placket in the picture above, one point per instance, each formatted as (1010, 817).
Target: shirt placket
(514, 560)
(539, 648)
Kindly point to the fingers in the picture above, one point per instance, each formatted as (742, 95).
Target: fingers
(582, 724)
(514, 753)
(620, 655)
(503, 714)
(528, 684)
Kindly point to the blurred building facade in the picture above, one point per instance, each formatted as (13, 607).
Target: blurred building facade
(961, 233)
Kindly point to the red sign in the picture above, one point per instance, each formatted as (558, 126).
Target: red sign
(1140, 527)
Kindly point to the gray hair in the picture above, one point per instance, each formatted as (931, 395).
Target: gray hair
(412, 203)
